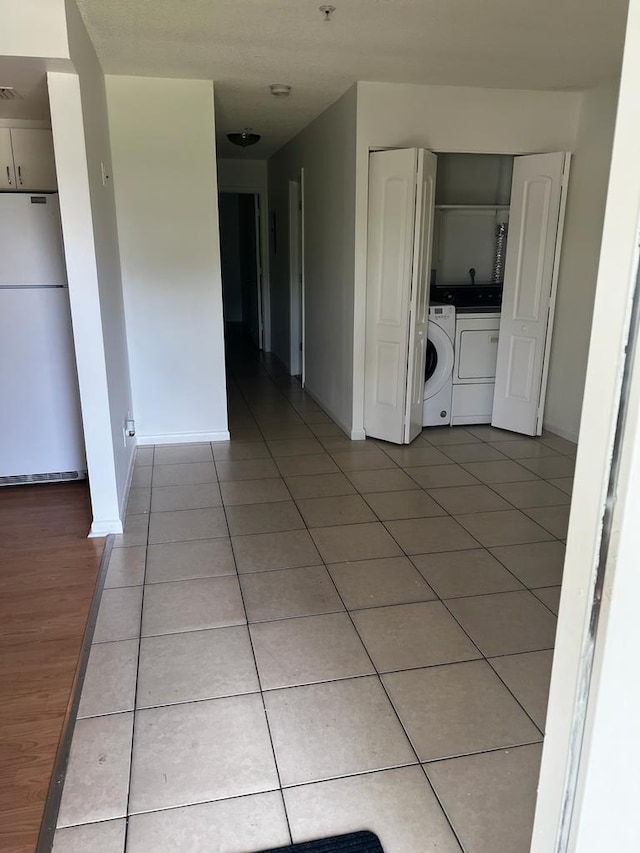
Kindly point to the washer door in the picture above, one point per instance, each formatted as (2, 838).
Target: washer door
(439, 364)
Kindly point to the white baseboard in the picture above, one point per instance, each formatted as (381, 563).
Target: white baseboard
(184, 438)
(104, 528)
(358, 435)
(570, 435)
(345, 429)
(127, 487)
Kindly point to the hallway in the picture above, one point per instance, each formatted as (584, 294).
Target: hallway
(319, 635)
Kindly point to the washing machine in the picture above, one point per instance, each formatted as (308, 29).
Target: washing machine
(438, 378)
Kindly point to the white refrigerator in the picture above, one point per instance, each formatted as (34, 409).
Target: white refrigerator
(40, 422)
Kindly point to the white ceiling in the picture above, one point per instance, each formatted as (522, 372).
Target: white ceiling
(244, 45)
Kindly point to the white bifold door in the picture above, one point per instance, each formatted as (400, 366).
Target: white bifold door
(400, 225)
(535, 230)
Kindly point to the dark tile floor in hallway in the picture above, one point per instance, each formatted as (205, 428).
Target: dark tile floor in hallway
(302, 635)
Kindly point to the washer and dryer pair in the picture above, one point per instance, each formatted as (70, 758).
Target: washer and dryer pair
(460, 366)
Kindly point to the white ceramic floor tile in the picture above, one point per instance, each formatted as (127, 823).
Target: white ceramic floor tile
(334, 729)
(199, 558)
(374, 583)
(195, 665)
(97, 778)
(110, 680)
(105, 837)
(119, 614)
(227, 826)
(457, 709)
(490, 798)
(201, 751)
(126, 567)
(191, 605)
(185, 524)
(290, 652)
(397, 805)
(527, 676)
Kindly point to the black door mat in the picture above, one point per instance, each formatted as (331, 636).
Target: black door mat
(354, 842)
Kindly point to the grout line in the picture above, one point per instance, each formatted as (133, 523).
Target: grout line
(135, 692)
(255, 664)
(382, 685)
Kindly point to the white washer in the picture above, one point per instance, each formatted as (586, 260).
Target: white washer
(438, 384)
(474, 372)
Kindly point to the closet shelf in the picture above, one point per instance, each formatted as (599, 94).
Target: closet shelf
(471, 206)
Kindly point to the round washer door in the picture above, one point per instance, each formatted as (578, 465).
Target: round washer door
(439, 361)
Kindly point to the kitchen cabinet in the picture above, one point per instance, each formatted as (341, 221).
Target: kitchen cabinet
(27, 161)
(7, 171)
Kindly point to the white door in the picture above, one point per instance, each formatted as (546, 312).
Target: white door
(421, 276)
(535, 226)
(256, 213)
(34, 160)
(7, 172)
(400, 219)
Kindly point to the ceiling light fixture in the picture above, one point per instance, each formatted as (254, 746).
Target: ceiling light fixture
(244, 139)
(327, 11)
(280, 90)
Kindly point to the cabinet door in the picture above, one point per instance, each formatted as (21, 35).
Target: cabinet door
(7, 172)
(392, 209)
(531, 269)
(33, 158)
(421, 275)
(398, 246)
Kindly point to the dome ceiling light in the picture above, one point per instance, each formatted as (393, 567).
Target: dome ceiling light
(280, 90)
(244, 139)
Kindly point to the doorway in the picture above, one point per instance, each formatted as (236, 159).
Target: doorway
(296, 278)
(240, 257)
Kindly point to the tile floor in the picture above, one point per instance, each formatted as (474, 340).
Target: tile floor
(302, 635)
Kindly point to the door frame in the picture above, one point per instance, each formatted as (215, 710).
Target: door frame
(588, 789)
(264, 302)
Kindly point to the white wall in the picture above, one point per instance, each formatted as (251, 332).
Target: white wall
(67, 124)
(326, 151)
(446, 118)
(242, 174)
(164, 172)
(579, 260)
(107, 254)
(33, 28)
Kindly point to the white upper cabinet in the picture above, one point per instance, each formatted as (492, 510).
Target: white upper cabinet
(27, 160)
(7, 171)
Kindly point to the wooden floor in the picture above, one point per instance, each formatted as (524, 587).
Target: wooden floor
(48, 570)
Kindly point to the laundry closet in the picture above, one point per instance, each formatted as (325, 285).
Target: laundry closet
(462, 260)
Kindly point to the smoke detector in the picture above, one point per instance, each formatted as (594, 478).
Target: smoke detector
(327, 12)
(280, 90)
(8, 93)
